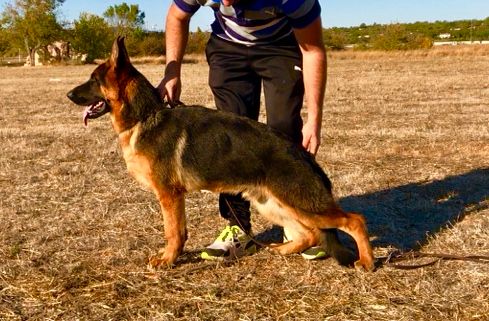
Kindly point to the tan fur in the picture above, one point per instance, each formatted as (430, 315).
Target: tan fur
(138, 165)
(173, 208)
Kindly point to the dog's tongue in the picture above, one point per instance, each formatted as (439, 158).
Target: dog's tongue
(86, 112)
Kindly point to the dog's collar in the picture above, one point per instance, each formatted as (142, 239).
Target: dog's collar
(173, 104)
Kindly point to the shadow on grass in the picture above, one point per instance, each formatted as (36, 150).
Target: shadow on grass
(403, 217)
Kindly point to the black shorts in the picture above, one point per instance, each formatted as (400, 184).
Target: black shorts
(237, 72)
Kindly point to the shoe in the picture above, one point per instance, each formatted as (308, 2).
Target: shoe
(312, 253)
(230, 244)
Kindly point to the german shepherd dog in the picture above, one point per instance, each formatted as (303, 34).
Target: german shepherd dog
(172, 151)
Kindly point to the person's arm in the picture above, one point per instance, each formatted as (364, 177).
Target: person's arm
(176, 34)
(310, 39)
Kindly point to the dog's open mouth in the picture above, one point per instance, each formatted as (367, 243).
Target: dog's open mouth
(95, 110)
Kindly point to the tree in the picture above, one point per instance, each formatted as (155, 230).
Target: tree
(125, 19)
(91, 36)
(32, 24)
(4, 44)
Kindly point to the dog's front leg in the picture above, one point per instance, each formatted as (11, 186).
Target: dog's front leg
(173, 208)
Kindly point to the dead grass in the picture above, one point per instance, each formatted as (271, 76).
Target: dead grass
(439, 51)
(159, 60)
(404, 141)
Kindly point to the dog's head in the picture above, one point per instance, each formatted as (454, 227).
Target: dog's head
(103, 92)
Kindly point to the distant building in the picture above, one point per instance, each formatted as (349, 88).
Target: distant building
(444, 36)
(59, 50)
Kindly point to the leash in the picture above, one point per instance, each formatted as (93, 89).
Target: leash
(261, 244)
(397, 256)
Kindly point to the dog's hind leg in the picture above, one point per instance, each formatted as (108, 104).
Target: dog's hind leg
(357, 228)
(302, 237)
(173, 208)
(350, 223)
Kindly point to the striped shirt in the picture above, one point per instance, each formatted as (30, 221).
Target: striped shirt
(252, 22)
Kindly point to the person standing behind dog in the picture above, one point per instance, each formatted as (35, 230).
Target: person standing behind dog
(277, 43)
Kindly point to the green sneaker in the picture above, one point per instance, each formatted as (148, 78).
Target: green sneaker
(312, 253)
(230, 244)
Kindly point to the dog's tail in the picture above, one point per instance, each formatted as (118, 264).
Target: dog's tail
(331, 243)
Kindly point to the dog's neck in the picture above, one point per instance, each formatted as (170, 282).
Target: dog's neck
(120, 122)
(139, 102)
(126, 134)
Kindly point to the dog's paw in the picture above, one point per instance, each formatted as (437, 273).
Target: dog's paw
(367, 265)
(286, 248)
(160, 261)
(275, 247)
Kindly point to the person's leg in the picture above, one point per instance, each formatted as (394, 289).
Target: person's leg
(235, 86)
(280, 67)
(236, 89)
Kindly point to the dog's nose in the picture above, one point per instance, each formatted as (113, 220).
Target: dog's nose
(70, 95)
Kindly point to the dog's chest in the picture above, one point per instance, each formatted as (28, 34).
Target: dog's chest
(138, 164)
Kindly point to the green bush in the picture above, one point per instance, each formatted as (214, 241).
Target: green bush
(397, 37)
(197, 41)
(335, 38)
(152, 44)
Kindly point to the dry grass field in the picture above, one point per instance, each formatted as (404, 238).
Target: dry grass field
(405, 141)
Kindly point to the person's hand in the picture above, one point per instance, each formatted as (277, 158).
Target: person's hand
(311, 137)
(170, 86)
(170, 89)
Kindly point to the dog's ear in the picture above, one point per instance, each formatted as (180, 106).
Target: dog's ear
(119, 56)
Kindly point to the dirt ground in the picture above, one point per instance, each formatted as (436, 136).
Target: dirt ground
(405, 141)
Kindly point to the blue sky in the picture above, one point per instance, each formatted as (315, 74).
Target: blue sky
(335, 13)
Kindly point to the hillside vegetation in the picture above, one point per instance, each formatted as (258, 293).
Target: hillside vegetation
(406, 35)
